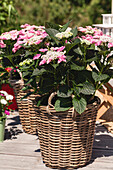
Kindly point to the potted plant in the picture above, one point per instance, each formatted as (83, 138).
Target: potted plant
(61, 64)
(5, 101)
(13, 51)
(67, 83)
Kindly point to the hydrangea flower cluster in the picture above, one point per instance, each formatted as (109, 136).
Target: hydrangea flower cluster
(5, 101)
(51, 54)
(28, 35)
(94, 36)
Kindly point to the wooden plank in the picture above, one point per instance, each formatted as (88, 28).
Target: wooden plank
(23, 153)
(19, 149)
(102, 110)
(10, 162)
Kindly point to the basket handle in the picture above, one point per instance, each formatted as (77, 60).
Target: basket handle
(49, 104)
(19, 74)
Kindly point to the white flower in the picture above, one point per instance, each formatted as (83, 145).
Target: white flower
(9, 97)
(4, 92)
(65, 34)
(3, 101)
(59, 35)
(68, 29)
(84, 41)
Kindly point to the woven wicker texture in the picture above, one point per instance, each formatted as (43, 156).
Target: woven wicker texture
(27, 113)
(66, 141)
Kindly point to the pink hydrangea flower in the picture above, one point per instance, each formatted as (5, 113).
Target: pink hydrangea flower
(2, 44)
(42, 62)
(61, 58)
(43, 50)
(37, 56)
(110, 45)
(61, 48)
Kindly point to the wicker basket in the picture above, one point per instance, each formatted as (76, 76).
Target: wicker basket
(66, 139)
(26, 108)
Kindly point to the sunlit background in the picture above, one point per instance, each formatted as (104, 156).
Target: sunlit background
(82, 12)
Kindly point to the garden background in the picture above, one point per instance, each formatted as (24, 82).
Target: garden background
(13, 13)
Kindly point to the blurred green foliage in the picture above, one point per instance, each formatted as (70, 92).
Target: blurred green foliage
(8, 15)
(81, 12)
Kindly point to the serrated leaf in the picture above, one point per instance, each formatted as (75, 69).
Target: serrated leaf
(62, 104)
(79, 104)
(52, 32)
(76, 67)
(87, 88)
(99, 77)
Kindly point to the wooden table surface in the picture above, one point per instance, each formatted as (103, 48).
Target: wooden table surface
(21, 151)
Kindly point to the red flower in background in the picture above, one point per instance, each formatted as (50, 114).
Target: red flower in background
(8, 69)
(9, 90)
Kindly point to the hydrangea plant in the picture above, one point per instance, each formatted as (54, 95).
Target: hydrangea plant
(73, 62)
(5, 101)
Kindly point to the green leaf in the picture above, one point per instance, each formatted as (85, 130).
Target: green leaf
(26, 88)
(31, 79)
(69, 58)
(109, 72)
(79, 104)
(92, 59)
(92, 47)
(63, 91)
(62, 104)
(87, 88)
(24, 74)
(78, 51)
(55, 65)
(46, 84)
(64, 27)
(75, 31)
(76, 67)
(38, 103)
(38, 72)
(70, 46)
(99, 77)
(51, 25)
(28, 53)
(52, 32)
